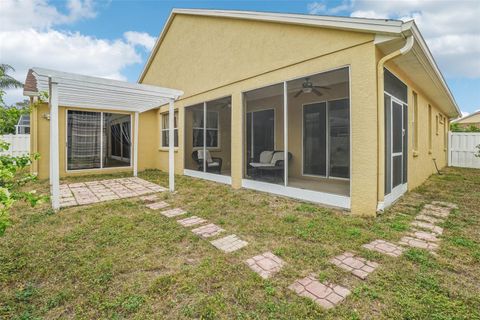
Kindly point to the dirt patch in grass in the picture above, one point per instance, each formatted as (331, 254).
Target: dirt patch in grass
(120, 260)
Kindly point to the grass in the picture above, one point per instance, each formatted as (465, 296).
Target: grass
(119, 260)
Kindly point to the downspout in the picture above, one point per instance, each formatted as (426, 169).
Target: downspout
(381, 116)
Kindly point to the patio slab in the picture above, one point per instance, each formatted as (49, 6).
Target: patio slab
(428, 218)
(82, 193)
(157, 205)
(418, 243)
(428, 226)
(265, 264)
(358, 266)
(327, 295)
(191, 221)
(208, 230)
(229, 243)
(384, 247)
(424, 235)
(173, 212)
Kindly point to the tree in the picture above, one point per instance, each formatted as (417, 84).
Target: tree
(7, 81)
(9, 116)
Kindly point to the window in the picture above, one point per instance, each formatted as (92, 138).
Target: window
(98, 140)
(212, 130)
(165, 142)
(415, 122)
(437, 124)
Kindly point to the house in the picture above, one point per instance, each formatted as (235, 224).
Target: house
(472, 119)
(345, 112)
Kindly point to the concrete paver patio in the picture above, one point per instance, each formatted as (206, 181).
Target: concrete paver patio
(82, 193)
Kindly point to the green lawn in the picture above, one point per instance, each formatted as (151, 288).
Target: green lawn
(120, 260)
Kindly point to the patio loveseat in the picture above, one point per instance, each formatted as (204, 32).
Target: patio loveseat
(271, 163)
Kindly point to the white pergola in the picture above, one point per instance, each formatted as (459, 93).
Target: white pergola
(79, 91)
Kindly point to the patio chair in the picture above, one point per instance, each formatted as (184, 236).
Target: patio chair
(270, 162)
(214, 164)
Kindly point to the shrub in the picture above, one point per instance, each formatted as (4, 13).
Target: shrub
(12, 177)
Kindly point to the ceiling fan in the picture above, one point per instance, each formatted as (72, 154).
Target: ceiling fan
(308, 87)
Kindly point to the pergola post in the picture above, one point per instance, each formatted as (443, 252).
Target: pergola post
(54, 161)
(171, 147)
(135, 145)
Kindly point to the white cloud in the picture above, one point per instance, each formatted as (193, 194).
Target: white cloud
(140, 38)
(465, 113)
(39, 14)
(451, 28)
(31, 40)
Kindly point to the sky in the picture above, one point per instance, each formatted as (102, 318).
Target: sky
(113, 38)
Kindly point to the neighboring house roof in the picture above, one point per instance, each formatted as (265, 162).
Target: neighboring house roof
(468, 119)
(386, 31)
(75, 90)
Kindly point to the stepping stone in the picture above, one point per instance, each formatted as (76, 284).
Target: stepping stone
(417, 243)
(424, 235)
(425, 225)
(358, 266)
(208, 230)
(327, 295)
(157, 205)
(439, 212)
(229, 243)
(173, 212)
(445, 204)
(150, 198)
(191, 221)
(429, 219)
(384, 247)
(265, 264)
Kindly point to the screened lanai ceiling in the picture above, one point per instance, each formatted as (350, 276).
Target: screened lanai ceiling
(82, 91)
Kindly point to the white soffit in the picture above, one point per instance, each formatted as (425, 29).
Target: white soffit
(81, 91)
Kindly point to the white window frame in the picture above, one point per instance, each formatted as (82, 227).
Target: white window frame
(101, 142)
(164, 131)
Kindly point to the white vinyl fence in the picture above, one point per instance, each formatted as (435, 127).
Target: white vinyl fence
(19, 144)
(462, 149)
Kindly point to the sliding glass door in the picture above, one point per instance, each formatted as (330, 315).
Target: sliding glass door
(98, 140)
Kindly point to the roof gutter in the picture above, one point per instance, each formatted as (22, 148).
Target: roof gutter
(381, 112)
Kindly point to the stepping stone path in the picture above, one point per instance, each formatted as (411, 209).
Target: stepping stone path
(384, 247)
(149, 199)
(428, 218)
(418, 243)
(208, 230)
(358, 266)
(325, 294)
(157, 205)
(429, 226)
(173, 212)
(424, 235)
(90, 192)
(191, 221)
(229, 243)
(265, 264)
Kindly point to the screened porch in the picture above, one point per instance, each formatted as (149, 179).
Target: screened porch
(297, 138)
